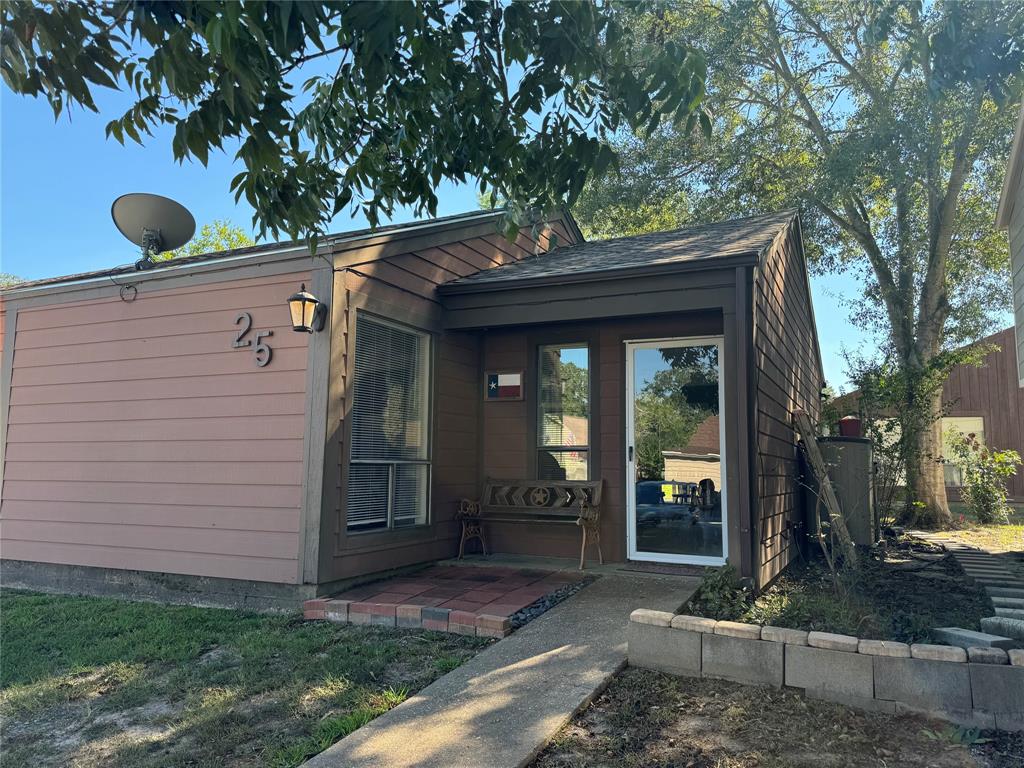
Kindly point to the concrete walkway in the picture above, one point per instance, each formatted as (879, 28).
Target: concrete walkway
(502, 707)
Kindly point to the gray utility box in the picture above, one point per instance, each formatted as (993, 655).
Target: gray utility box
(849, 468)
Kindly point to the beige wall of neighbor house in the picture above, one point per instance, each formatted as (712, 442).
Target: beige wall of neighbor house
(1010, 217)
(139, 437)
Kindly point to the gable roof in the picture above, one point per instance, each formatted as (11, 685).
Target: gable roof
(696, 247)
(353, 238)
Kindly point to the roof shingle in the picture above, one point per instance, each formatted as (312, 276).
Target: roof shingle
(690, 245)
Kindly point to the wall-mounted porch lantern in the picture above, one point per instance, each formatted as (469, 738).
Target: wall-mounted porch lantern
(308, 312)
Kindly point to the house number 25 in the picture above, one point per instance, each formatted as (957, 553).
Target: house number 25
(261, 350)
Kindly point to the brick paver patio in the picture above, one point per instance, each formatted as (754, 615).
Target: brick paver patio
(465, 599)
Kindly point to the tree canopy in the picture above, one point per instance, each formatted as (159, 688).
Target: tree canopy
(335, 105)
(217, 235)
(886, 123)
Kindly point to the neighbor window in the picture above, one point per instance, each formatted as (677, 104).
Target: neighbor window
(389, 470)
(563, 412)
(965, 425)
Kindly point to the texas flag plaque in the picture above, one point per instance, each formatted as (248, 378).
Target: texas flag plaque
(504, 386)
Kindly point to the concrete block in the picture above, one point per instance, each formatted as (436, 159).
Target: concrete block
(742, 660)
(647, 616)
(462, 622)
(884, 648)
(783, 635)
(1001, 625)
(675, 651)
(987, 656)
(931, 652)
(837, 673)
(968, 638)
(1009, 722)
(738, 629)
(848, 700)
(998, 689)
(1016, 590)
(693, 623)
(314, 609)
(435, 619)
(921, 683)
(1016, 657)
(1007, 602)
(493, 626)
(972, 718)
(1010, 613)
(832, 642)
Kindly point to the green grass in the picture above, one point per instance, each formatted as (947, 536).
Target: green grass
(95, 681)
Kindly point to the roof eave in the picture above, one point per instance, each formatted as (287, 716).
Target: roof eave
(1014, 168)
(709, 263)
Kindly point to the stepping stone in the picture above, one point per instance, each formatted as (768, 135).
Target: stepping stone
(968, 638)
(1007, 602)
(1001, 625)
(996, 591)
(1010, 613)
(1001, 584)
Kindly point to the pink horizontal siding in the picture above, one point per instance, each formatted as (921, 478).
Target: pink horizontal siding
(138, 438)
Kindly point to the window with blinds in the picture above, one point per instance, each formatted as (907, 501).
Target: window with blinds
(389, 470)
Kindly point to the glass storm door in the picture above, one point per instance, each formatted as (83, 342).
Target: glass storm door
(675, 457)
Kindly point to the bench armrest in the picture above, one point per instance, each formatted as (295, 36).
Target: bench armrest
(468, 508)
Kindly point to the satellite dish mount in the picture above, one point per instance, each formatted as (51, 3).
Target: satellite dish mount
(154, 223)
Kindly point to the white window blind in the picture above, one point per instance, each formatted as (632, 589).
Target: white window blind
(389, 474)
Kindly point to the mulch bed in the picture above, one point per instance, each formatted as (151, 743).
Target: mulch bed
(901, 591)
(646, 719)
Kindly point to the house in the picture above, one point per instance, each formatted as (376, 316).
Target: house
(166, 431)
(984, 400)
(1010, 217)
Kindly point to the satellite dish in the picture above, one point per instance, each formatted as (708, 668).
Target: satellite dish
(153, 222)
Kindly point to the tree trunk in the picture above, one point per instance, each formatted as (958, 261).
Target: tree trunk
(926, 487)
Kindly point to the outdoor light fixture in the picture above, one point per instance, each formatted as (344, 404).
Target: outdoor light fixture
(308, 312)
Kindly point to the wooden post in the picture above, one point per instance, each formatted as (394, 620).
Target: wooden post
(805, 429)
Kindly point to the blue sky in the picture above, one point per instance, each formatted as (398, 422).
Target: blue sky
(58, 180)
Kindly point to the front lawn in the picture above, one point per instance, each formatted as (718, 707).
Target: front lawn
(1007, 537)
(900, 593)
(646, 719)
(91, 681)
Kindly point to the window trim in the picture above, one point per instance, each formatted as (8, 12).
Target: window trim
(574, 343)
(428, 416)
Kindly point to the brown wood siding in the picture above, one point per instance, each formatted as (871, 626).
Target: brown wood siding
(402, 287)
(788, 375)
(509, 433)
(138, 438)
(991, 392)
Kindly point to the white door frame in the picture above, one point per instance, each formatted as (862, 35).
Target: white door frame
(630, 395)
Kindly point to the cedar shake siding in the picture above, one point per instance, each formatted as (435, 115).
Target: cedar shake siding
(137, 438)
(788, 376)
(399, 285)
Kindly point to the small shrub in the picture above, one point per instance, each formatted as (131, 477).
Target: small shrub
(984, 473)
(720, 595)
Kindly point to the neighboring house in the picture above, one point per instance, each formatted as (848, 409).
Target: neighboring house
(166, 431)
(984, 400)
(1010, 217)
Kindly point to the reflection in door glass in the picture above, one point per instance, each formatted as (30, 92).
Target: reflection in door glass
(678, 451)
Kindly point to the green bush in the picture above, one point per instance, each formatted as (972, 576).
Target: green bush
(984, 473)
(720, 595)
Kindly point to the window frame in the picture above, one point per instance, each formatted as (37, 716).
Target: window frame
(947, 463)
(392, 464)
(538, 425)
